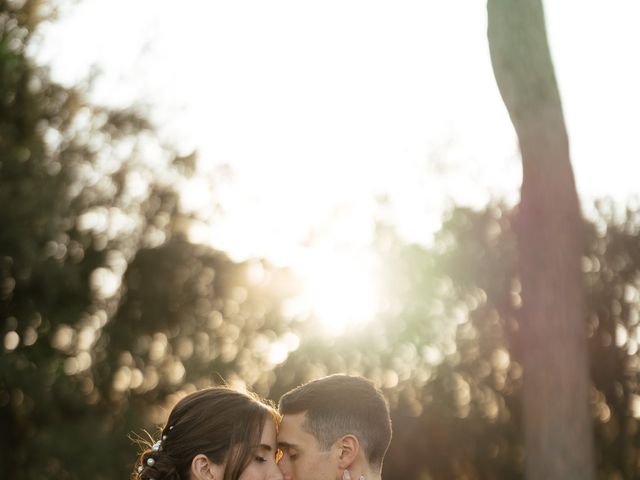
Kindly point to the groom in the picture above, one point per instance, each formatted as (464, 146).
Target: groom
(336, 427)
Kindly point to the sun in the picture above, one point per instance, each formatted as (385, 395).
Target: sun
(340, 291)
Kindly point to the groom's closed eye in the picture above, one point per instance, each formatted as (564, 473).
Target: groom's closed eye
(289, 452)
(288, 457)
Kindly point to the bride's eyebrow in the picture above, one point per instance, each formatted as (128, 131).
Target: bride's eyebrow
(264, 446)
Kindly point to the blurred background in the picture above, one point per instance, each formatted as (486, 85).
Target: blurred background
(265, 193)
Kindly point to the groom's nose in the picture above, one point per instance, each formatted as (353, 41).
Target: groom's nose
(285, 468)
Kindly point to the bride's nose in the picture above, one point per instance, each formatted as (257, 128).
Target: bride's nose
(274, 473)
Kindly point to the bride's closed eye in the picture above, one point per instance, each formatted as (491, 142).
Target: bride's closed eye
(264, 453)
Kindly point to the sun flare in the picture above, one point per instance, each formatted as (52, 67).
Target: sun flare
(340, 291)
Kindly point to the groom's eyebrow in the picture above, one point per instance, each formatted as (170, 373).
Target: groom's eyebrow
(286, 445)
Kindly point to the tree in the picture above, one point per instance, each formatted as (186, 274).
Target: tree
(92, 231)
(557, 420)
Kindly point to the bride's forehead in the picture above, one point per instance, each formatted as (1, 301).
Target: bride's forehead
(269, 432)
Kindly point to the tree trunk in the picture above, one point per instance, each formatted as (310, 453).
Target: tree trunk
(557, 419)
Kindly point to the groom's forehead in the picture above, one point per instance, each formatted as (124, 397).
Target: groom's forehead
(292, 429)
(292, 423)
(294, 419)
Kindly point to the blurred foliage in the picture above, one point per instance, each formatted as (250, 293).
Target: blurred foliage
(108, 314)
(105, 309)
(446, 347)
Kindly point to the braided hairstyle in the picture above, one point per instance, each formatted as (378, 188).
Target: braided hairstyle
(221, 423)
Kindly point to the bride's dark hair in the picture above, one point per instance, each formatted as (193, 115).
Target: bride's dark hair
(221, 423)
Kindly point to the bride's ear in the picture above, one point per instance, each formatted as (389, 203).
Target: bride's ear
(204, 469)
(349, 447)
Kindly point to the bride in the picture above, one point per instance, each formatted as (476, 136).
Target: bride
(214, 434)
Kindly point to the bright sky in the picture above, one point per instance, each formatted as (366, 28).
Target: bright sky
(318, 107)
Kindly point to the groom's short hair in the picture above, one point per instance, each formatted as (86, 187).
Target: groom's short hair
(338, 405)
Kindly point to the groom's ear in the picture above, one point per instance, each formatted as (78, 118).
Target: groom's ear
(348, 449)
